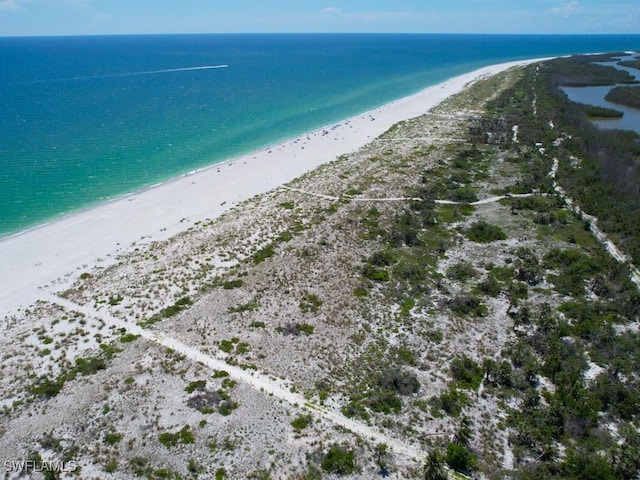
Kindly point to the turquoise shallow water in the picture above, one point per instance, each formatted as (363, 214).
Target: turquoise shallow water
(86, 119)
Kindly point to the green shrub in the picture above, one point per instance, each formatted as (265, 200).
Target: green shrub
(305, 328)
(170, 311)
(360, 292)
(355, 409)
(575, 268)
(339, 460)
(195, 385)
(184, 436)
(111, 466)
(459, 458)
(466, 372)
(139, 465)
(226, 346)
(128, 337)
(264, 253)
(434, 467)
(88, 366)
(464, 195)
(296, 328)
(194, 467)
(112, 438)
(527, 267)
(406, 356)
(490, 287)
(117, 300)
(109, 350)
(375, 274)
(382, 258)
(467, 305)
(226, 407)
(482, 232)
(397, 380)
(301, 422)
(310, 303)
(231, 284)
(48, 388)
(384, 401)
(405, 230)
(461, 271)
(451, 402)
(285, 236)
(244, 307)
(502, 274)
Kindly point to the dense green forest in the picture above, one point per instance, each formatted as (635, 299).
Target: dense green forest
(585, 424)
(631, 63)
(607, 182)
(629, 96)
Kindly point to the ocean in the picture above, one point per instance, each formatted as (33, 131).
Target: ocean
(87, 119)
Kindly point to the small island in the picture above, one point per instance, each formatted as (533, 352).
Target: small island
(627, 96)
(635, 63)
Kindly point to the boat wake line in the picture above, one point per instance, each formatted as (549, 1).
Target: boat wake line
(150, 72)
(120, 75)
(170, 70)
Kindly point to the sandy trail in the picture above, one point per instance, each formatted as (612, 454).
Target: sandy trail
(484, 201)
(601, 237)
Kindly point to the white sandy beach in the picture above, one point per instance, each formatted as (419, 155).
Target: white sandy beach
(47, 258)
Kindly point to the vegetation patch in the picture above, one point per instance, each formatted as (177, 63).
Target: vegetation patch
(170, 311)
(467, 305)
(629, 96)
(184, 436)
(339, 460)
(129, 337)
(264, 253)
(231, 284)
(244, 307)
(296, 329)
(482, 232)
(466, 372)
(310, 303)
(301, 422)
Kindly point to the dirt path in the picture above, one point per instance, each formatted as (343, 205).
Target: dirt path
(257, 380)
(601, 237)
(484, 201)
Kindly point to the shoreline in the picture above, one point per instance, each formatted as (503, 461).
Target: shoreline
(52, 255)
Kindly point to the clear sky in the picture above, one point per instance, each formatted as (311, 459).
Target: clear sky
(80, 17)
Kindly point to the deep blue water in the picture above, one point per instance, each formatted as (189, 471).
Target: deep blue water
(85, 119)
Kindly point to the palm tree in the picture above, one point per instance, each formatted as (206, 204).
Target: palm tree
(434, 467)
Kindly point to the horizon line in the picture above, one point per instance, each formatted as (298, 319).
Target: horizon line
(147, 34)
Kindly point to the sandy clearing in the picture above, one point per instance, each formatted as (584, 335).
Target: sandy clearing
(255, 379)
